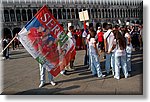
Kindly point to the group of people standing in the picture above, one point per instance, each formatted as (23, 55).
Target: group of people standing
(116, 44)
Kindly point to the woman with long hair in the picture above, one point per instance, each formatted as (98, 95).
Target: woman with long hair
(120, 54)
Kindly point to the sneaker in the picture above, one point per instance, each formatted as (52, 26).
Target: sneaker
(62, 72)
(116, 77)
(102, 76)
(41, 84)
(129, 74)
(53, 83)
(107, 74)
(3, 58)
(113, 73)
(95, 75)
(126, 76)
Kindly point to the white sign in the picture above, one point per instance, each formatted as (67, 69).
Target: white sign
(119, 21)
(84, 15)
(69, 24)
(127, 23)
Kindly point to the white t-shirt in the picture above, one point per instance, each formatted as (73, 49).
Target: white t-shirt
(110, 39)
(84, 34)
(71, 37)
(118, 51)
(69, 34)
(127, 36)
(91, 46)
(129, 47)
(97, 31)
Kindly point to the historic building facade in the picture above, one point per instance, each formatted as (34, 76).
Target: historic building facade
(16, 13)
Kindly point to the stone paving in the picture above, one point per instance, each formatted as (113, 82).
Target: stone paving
(21, 76)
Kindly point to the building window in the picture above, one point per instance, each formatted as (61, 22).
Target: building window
(126, 11)
(106, 13)
(115, 15)
(99, 13)
(109, 14)
(55, 13)
(112, 13)
(24, 15)
(77, 13)
(96, 13)
(6, 16)
(50, 10)
(131, 13)
(73, 13)
(68, 14)
(18, 15)
(92, 11)
(121, 13)
(136, 13)
(59, 14)
(12, 15)
(29, 14)
(103, 13)
(118, 13)
(34, 11)
(64, 13)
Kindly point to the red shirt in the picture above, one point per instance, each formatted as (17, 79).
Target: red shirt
(100, 36)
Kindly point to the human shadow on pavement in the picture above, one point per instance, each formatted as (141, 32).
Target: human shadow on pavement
(137, 67)
(78, 69)
(17, 52)
(21, 56)
(45, 91)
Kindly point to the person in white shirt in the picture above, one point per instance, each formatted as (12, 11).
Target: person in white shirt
(42, 76)
(120, 55)
(128, 50)
(108, 43)
(93, 52)
(98, 30)
(71, 36)
(84, 35)
(70, 65)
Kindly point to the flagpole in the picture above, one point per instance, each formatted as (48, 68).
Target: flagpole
(9, 44)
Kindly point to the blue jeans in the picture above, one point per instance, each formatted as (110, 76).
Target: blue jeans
(42, 74)
(129, 61)
(129, 52)
(120, 61)
(108, 62)
(113, 62)
(95, 65)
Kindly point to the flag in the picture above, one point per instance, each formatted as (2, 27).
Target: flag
(45, 40)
